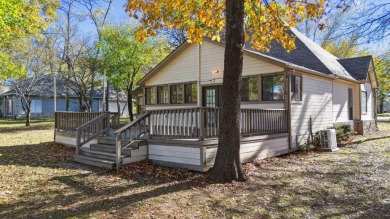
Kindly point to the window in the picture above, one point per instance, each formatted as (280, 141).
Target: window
(151, 97)
(250, 89)
(296, 87)
(176, 93)
(191, 93)
(364, 101)
(162, 94)
(9, 108)
(36, 106)
(272, 87)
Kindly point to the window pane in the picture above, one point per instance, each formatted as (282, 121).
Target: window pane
(267, 88)
(272, 87)
(151, 96)
(278, 87)
(245, 89)
(191, 93)
(296, 84)
(173, 94)
(364, 101)
(177, 93)
(253, 89)
(162, 94)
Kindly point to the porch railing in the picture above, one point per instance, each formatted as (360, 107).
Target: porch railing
(69, 121)
(128, 133)
(91, 130)
(203, 122)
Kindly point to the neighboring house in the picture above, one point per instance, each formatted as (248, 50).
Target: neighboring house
(386, 104)
(313, 87)
(3, 89)
(42, 104)
(113, 103)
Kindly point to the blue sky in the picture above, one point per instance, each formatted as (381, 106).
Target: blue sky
(118, 15)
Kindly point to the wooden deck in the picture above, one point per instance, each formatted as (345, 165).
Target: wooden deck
(199, 155)
(178, 137)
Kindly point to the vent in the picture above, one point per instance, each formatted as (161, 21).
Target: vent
(328, 139)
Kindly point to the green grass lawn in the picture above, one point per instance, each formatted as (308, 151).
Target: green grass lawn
(39, 180)
(384, 115)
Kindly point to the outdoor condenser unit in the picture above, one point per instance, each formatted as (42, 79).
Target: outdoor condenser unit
(328, 140)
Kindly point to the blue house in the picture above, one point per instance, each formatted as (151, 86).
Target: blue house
(42, 100)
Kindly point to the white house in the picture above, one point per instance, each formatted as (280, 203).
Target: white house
(285, 97)
(313, 86)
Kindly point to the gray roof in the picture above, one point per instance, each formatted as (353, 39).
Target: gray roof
(358, 67)
(307, 54)
(45, 85)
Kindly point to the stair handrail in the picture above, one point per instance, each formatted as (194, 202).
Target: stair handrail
(97, 126)
(118, 135)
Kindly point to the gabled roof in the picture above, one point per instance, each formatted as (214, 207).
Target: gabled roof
(359, 67)
(308, 56)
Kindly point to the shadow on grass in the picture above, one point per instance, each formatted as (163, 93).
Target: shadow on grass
(76, 194)
(370, 139)
(43, 155)
(85, 199)
(82, 195)
(11, 130)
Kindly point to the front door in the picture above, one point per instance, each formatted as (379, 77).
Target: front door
(211, 96)
(350, 104)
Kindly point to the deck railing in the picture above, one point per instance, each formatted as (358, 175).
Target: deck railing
(127, 134)
(69, 121)
(203, 122)
(91, 130)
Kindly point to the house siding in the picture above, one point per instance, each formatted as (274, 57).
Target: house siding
(212, 58)
(340, 101)
(183, 68)
(370, 102)
(316, 104)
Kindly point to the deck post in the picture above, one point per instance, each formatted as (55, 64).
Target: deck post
(118, 150)
(78, 139)
(201, 123)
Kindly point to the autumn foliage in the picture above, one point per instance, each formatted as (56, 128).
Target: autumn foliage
(265, 21)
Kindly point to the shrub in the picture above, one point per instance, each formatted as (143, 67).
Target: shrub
(343, 133)
(307, 147)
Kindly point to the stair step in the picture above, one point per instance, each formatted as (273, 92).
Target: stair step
(108, 148)
(101, 155)
(95, 162)
(110, 140)
(106, 140)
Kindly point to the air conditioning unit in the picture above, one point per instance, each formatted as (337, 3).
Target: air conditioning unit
(328, 140)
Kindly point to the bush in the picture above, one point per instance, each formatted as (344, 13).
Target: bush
(307, 147)
(343, 133)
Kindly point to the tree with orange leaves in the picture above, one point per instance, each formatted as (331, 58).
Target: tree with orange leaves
(264, 21)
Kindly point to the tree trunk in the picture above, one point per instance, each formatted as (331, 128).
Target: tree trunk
(117, 102)
(28, 117)
(381, 103)
(130, 104)
(227, 166)
(28, 112)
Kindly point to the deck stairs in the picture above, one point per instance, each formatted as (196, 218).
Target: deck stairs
(102, 154)
(132, 146)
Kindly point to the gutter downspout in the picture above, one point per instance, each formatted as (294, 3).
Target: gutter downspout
(199, 77)
(288, 102)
